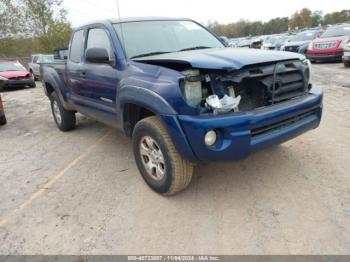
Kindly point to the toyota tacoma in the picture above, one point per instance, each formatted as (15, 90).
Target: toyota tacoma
(181, 95)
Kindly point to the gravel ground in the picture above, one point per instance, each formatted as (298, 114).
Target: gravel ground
(80, 192)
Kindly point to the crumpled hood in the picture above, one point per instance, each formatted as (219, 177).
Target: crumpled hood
(222, 58)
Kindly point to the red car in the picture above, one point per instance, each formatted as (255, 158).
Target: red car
(2, 113)
(17, 74)
(329, 46)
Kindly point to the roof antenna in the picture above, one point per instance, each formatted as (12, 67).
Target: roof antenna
(121, 26)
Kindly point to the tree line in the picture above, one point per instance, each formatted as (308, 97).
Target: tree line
(32, 26)
(305, 18)
(41, 26)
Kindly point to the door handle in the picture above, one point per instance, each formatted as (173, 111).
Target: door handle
(83, 74)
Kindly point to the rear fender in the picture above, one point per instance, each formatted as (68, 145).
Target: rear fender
(51, 80)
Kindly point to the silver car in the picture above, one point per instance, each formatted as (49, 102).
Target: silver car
(36, 60)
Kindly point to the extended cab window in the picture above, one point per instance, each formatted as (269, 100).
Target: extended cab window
(77, 46)
(98, 38)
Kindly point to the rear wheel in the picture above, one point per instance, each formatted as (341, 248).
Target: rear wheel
(161, 166)
(65, 120)
(347, 64)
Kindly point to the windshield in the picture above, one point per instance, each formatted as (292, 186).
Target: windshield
(47, 59)
(11, 67)
(338, 31)
(270, 40)
(152, 37)
(304, 36)
(281, 40)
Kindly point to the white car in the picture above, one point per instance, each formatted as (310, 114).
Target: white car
(36, 60)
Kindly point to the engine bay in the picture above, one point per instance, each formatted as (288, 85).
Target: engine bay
(221, 91)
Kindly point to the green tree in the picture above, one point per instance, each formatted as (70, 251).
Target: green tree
(301, 19)
(43, 23)
(32, 26)
(337, 17)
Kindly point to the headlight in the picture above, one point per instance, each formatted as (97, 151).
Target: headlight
(310, 46)
(345, 42)
(308, 71)
(192, 87)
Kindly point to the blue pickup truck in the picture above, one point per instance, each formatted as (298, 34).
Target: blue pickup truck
(181, 94)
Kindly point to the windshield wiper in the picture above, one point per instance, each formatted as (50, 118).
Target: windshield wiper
(150, 54)
(194, 48)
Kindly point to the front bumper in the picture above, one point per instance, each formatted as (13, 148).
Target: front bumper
(325, 56)
(19, 83)
(240, 134)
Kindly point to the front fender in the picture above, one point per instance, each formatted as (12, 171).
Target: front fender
(145, 98)
(158, 105)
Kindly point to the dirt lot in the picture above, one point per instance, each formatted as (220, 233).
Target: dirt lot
(80, 192)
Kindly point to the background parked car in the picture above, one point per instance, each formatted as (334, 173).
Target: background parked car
(17, 74)
(329, 46)
(300, 42)
(346, 56)
(275, 42)
(36, 60)
(270, 43)
(256, 43)
(2, 112)
(244, 43)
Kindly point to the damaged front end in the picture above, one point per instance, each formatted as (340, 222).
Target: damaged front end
(246, 89)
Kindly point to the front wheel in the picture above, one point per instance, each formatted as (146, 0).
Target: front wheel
(161, 166)
(65, 120)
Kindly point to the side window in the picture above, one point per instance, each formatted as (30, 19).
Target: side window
(77, 46)
(35, 59)
(98, 38)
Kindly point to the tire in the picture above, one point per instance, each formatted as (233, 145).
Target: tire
(65, 120)
(32, 85)
(347, 64)
(3, 120)
(177, 172)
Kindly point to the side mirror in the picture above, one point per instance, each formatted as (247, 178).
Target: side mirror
(97, 56)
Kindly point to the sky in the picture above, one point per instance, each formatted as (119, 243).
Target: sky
(223, 11)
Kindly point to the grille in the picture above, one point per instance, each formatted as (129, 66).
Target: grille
(264, 130)
(326, 45)
(270, 84)
(287, 81)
